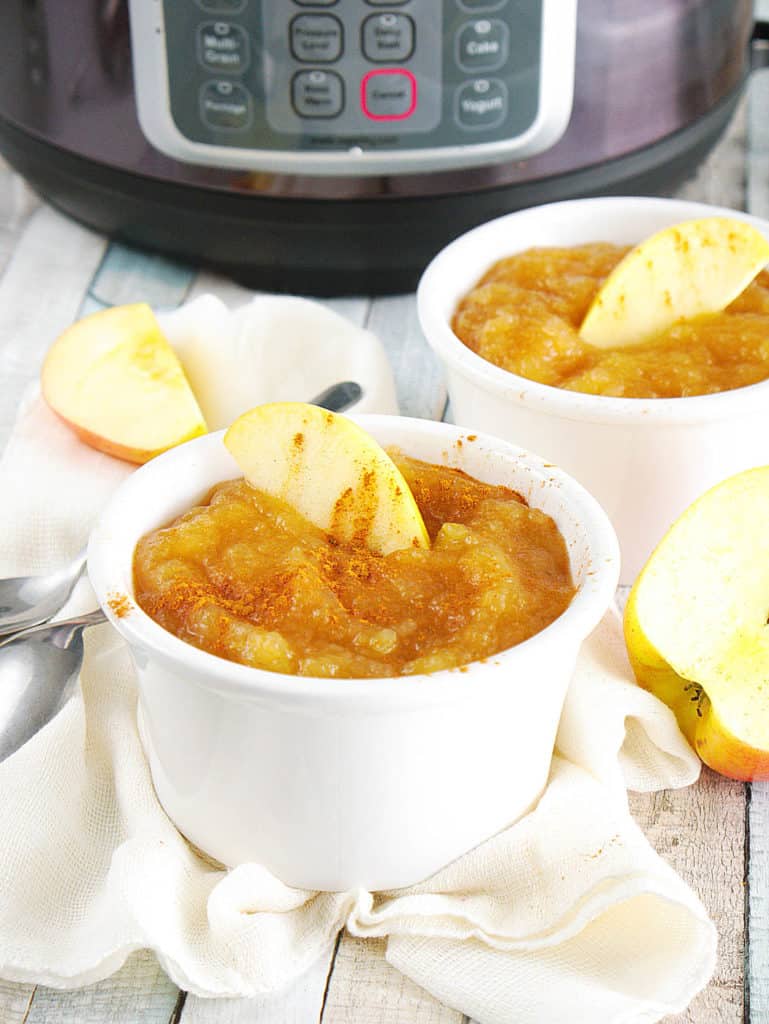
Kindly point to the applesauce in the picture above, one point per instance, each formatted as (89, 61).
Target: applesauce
(246, 577)
(525, 313)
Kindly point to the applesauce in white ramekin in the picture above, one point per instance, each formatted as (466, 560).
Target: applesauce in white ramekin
(525, 313)
(246, 577)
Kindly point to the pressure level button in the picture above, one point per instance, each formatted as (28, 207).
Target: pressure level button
(316, 38)
(483, 45)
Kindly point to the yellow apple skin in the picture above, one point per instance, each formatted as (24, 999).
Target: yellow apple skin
(697, 718)
(114, 379)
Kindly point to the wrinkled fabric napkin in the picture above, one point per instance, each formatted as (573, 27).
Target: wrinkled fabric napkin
(568, 914)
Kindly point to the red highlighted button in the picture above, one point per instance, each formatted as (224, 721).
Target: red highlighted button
(388, 94)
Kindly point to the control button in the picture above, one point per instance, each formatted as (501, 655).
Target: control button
(481, 103)
(317, 93)
(225, 105)
(477, 6)
(483, 45)
(388, 37)
(316, 38)
(222, 6)
(223, 47)
(388, 95)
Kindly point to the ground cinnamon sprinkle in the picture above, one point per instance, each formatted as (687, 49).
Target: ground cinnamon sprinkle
(247, 578)
(120, 604)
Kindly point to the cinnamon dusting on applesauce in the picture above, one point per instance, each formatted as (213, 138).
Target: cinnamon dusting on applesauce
(120, 605)
(247, 578)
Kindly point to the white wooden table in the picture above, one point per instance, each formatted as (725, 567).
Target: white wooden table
(715, 834)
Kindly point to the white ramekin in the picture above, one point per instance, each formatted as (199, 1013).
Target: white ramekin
(333, 784)
(645, 460)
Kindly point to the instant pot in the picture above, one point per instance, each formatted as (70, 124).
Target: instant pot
(333, 146)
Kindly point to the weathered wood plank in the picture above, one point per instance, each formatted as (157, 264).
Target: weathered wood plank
(43, 287)
(758, 906)
(14, 1002)
(418, 375)
(17, 203)
(757, 937)
(139, 991)
(300, 1004)
(700, 832)
(129, 275)
(365, 989)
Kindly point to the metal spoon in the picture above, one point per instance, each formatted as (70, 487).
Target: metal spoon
(39, 665)
(38, 673)
(29, 600)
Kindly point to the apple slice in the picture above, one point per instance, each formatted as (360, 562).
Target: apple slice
(331, 471)
(696, 625)
(699, 266)
(114, 378)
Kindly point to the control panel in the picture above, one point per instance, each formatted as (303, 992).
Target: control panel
(353, 86)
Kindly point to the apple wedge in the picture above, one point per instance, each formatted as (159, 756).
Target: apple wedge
(696, 625)
(331, 471)
(114, 378)
(696, 267)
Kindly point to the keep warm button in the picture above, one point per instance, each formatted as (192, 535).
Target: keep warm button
(389, 94)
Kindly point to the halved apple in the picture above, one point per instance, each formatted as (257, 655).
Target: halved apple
(696, 625)
(331, 471)
(696, 267)
(114, 378)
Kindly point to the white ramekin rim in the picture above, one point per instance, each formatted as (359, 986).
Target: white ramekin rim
(109, 567)
(436, 304)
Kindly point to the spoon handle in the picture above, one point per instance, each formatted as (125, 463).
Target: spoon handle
(60, 633)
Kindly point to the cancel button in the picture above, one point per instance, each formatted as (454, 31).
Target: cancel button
(481, 103)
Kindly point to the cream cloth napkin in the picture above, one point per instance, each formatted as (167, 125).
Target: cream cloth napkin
(567, 915)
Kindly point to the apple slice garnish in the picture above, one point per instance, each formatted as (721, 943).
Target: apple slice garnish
(331, 471)
(114, 378)
(696, 267)
(696, 625)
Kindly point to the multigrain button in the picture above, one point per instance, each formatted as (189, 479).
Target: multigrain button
(482, 6)
(223, 47)
(222, 6)
(316, 38)
(481, 103)
(388, 38)
(483, 45)
(317, 93)
(388, 95)
(225, 105)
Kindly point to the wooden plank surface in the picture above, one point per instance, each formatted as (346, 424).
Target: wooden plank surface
(365, 989)
(66, 270)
